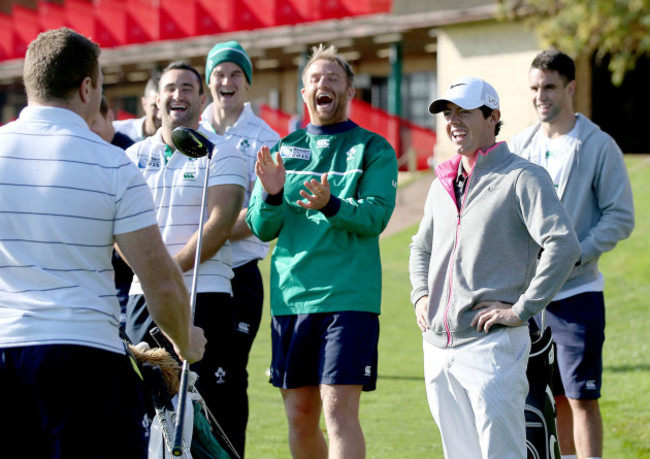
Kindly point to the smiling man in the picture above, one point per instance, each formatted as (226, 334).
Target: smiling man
(140, 128)
(229, 74)
(591, 179)
(493, 247)
(326, 198)
(176, 182)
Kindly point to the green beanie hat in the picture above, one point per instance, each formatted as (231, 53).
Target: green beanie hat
(228, 51)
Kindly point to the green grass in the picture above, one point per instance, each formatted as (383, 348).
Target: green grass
(395, 417)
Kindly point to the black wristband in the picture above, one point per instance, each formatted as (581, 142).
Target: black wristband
(273, 199)
(332, 207)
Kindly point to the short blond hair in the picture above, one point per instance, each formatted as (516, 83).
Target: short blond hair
(329, 53)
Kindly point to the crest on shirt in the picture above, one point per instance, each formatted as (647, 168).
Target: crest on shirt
(243, 145)
(351, 153)
(295, 152)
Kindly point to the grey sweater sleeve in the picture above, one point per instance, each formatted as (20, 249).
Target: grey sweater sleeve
(550, 226)
(613, 192)
(421, 252)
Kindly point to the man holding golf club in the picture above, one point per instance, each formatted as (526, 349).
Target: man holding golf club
(229, 74)
(591, 179)
(326, 197)
(69, 389)
(493, 247)
(176, 182)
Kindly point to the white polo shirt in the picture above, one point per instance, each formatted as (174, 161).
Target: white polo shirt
(64, 194)
(248, 135)
(133, 128)
(177, 188)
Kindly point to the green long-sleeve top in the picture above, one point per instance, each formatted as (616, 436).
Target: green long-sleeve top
(328, 260)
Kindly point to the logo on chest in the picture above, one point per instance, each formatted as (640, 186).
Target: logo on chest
(243, 145)
(295, 152)
(323, 143)
(190, 170)
(153, 162)
(351, 153)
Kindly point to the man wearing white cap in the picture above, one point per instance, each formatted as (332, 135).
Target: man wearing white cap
(493, 247)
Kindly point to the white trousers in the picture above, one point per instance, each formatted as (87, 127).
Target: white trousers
(477, 392)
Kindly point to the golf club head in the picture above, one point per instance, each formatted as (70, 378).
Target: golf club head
(192, 143)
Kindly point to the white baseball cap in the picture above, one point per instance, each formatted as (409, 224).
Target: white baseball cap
(468, 93)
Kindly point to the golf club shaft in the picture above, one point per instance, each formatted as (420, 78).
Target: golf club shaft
(177, 450)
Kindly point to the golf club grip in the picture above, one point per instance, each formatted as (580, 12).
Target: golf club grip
(177, 449)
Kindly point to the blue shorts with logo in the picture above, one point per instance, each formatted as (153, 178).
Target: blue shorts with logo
(578, 327)
(337, 348)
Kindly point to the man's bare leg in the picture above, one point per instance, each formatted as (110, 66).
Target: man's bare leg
(341, 409)
(587, 428)
(303, 408)
(565, 426)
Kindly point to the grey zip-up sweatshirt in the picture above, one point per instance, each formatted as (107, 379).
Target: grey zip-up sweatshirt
(597, 195)
(486, 248)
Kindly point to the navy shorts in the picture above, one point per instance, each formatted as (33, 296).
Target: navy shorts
(337, 348)
(65, 401)
(578, 326)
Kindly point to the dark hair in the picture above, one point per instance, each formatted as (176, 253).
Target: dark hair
(552, 59)
(487, 111)
(181, 65)
(56, 63)
(152, 82)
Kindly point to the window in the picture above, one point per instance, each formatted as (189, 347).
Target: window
(418, 89)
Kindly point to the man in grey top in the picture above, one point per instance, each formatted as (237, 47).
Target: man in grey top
(493, 247)
(591, 181)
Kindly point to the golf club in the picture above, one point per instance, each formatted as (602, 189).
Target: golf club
(194, 145)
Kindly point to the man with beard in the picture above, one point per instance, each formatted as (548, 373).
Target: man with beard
(591, 179)
(229, 74)
(176, 182)
(326, 198)
(140, 128)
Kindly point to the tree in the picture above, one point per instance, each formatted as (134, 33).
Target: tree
(618, 28)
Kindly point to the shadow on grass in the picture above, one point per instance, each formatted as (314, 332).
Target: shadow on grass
(627, 368)
(401, 377)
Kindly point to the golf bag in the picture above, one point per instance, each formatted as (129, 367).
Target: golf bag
(540, 411)
(203, 438)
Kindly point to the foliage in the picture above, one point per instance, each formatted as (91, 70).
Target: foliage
(618, 28)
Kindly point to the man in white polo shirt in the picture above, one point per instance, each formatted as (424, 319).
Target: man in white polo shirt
(140, 128)
(176, 182)
(229, 74)
(69, 389)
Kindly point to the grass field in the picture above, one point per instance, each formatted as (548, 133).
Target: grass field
(395, 417)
